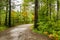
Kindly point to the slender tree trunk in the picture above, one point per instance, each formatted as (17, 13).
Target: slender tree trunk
(57, 8)
(9, 13)
(47, 8)
(36, 14)
(20, 15)
(6, 23)
(0, 16)
(50, 9)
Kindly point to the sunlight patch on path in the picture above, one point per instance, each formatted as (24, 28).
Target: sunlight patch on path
(18, 29)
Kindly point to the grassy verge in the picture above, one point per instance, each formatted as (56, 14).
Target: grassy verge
(2, 28)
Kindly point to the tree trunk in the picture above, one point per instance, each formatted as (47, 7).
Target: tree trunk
(57, 8)
(6, 23)
(47, 8)
(0, 16)
(9, 13)
(50, 9)
(36, 14)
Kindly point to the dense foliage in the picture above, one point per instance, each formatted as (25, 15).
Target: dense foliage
(49, 19)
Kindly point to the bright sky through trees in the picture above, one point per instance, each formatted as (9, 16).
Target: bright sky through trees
(17, 2)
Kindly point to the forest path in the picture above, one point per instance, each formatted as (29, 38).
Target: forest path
(21, 32)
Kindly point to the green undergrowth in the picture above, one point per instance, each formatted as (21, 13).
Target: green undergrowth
(2, 28)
